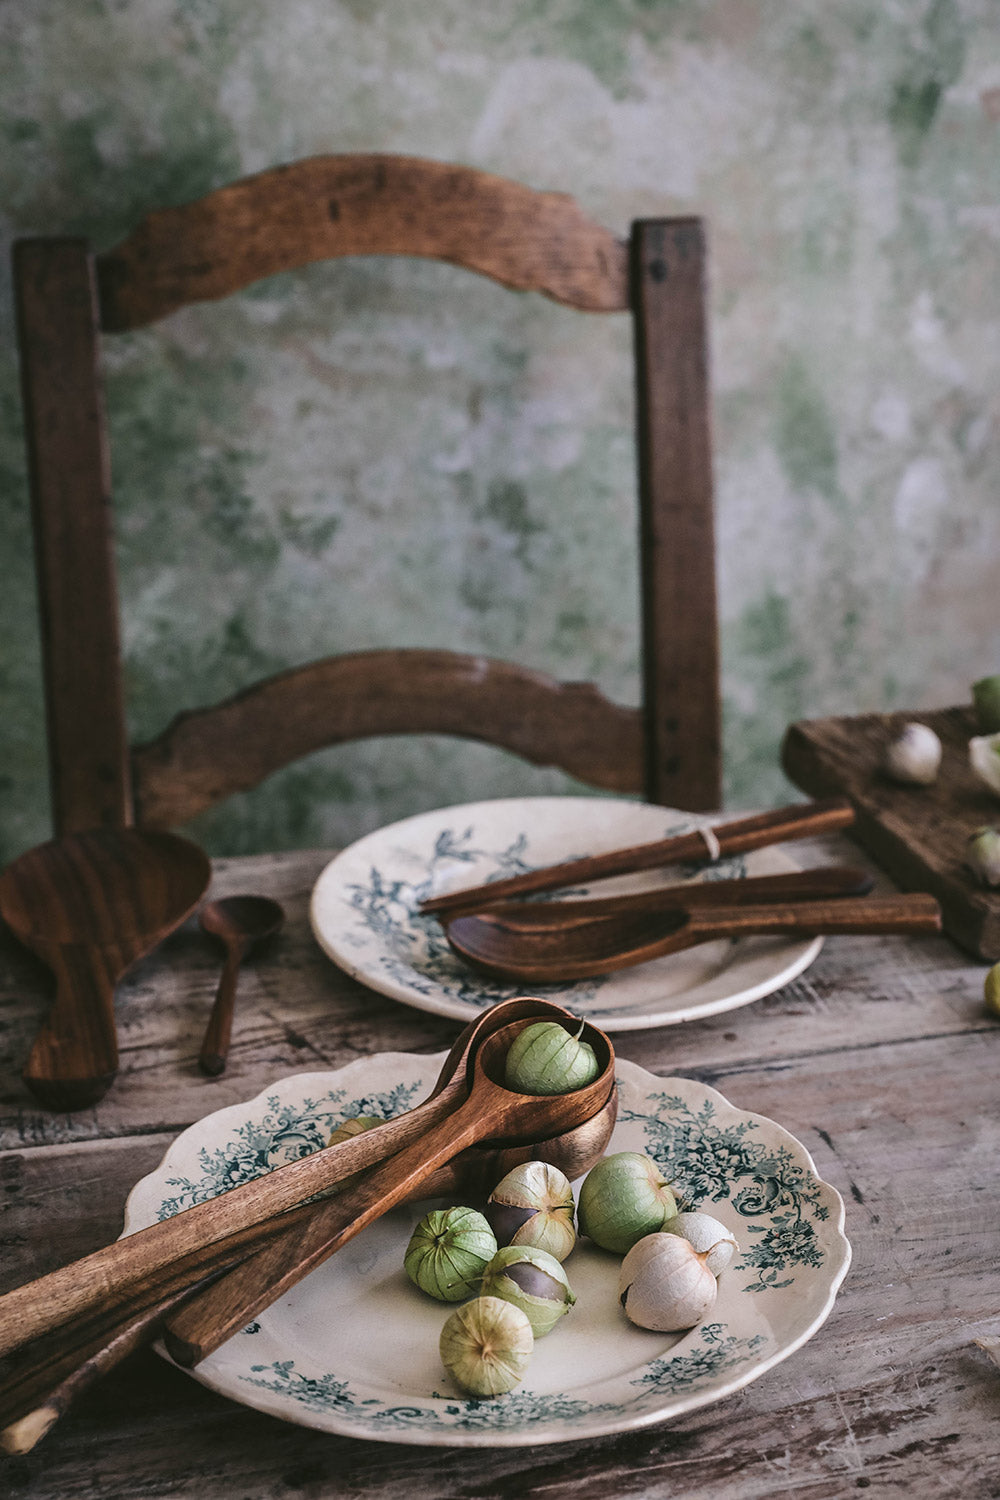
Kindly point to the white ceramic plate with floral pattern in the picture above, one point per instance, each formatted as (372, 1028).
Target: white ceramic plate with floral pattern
(353, 1349)
(365, 917)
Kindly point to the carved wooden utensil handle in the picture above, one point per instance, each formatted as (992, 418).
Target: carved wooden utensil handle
(801, 820)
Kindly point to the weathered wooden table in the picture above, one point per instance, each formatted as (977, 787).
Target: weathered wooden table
(881, 1059)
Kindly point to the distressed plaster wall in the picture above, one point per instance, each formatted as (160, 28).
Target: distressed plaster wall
(466, 456)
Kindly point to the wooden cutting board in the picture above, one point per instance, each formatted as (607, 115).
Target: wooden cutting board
(917, 834)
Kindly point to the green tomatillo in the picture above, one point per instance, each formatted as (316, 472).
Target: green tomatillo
(533, 1281)
(545, 1058)
(623, 1198)
(485, 1346)
(448, 1252)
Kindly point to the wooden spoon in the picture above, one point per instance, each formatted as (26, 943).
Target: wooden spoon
(490, 1111)
(240, 922)
(89, 905)
(209, 1237)
(561, 916)
(555, 956)
(34, 1398)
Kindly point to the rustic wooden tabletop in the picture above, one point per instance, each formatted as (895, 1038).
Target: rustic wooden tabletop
(880, 1058)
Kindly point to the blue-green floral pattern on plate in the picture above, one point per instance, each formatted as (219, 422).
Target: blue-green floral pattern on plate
(353, 1348)
(365, 910)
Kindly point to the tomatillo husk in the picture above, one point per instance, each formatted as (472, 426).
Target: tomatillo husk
(664, 1284)
(448, 1252)
(533, 1281)
(533, 1205)
(624, 1197)
(486, 1345)
(708, 1236)
(545, 1058)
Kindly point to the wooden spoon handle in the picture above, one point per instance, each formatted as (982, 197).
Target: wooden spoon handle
(75, 1056)
(229, 1304)
(101, 1280)
(799, 885)
(801, 820)
(188, 1243)
(215, 1045)
(887, 914)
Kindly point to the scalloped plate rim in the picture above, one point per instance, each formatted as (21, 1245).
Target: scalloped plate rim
(143, 1196)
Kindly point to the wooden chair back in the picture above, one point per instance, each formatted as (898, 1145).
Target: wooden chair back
(68, 299)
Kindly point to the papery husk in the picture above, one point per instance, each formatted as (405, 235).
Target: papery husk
(485, 1346)
(533, 1205)
(448, 1252)
(543, 1311)
(708, 1236)
(624, 1197)
(665, 1285)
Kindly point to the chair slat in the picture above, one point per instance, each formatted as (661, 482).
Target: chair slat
(328, 206)
(208, 754)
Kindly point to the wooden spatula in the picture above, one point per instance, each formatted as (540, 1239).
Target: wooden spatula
(89, 905)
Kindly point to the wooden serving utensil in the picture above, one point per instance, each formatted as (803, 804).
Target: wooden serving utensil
(555, 956)
(800, 820)
(89, 905)
(178, 1251)
(239, 922)
(516, 917)
(490, 1111)
(64, 1364)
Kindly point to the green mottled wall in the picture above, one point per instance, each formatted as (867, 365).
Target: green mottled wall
(466, 455)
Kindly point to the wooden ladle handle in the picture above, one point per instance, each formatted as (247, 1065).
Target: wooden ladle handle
(74, 1059)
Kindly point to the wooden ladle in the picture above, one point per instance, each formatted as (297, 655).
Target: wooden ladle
(557, 956)
(33, 1400)
(240, 922)
(61, 1314)
(210, 1236)
(89, 905)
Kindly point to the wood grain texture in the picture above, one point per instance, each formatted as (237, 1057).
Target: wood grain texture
(918, 834)
(88, 905)
(64, 420)
(683, 731)
(329, 206)
(361, 205)
(880, 1059)
(728, 836)
(208, 754)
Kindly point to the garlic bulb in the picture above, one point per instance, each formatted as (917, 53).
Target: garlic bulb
(533, 1205)
(984, 758)
(982, 855)
(914, 756)
(448, 1252)
(485, 1346)
(545, 1058)
(664, 1284)
(708, 1236)
(622, 1198)
(533, 1281)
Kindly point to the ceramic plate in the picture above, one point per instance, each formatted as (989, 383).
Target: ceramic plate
(353, 1348)
(364, 911)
